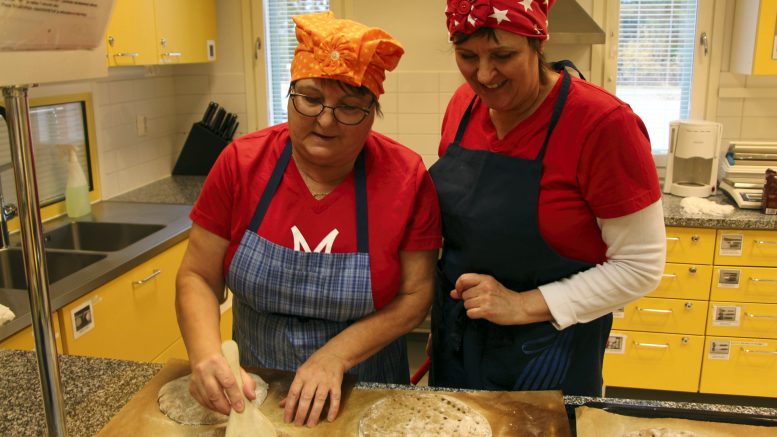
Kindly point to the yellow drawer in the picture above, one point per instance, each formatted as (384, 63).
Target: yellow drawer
(25, 339)
(737, 319)
(685, 281)
(746, 248)
(663, 315)
(178, 349)
(690, 245)
(740, 366)
(653, 361)
(744, 284)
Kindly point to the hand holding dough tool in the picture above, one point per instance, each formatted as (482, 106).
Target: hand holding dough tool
(251, 422)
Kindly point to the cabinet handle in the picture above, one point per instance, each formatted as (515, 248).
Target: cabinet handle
(652, 345)
(672, 238)
(762, 280)
(129, 55)
(651, 310)
(758, 316)
(754, 351)
(764, 242)
(147, 278)
(173, 54)
(669, 275)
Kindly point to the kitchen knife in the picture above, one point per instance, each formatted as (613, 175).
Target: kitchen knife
(227, 124)
(217, 120)
(209, 112)
(229, 135)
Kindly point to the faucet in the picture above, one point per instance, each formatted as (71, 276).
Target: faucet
(7, 212)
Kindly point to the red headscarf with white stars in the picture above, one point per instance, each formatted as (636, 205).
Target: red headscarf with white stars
(523, 17)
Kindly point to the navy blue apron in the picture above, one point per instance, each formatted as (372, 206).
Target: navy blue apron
(288, 303)
(489, 204)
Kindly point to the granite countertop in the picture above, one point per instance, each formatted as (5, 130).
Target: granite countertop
(95, 389)
(185, 189)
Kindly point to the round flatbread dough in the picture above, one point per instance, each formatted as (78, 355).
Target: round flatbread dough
(176, 402)
(423, 415)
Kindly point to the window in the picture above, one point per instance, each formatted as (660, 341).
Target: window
(281, 42)
(662, 71)
(55, 128)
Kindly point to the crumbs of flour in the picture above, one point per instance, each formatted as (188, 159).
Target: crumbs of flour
(697, 205)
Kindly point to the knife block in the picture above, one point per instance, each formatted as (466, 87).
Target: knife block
(199, 152)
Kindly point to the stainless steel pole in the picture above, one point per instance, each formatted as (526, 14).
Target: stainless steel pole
(18, 116)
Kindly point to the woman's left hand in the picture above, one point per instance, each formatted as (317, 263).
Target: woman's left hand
(486, 298)
(319, 377)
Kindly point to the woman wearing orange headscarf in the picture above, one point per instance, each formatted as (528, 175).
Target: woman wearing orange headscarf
(325, 231)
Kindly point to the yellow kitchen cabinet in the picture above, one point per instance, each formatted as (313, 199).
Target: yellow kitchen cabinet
(684, 281)
(131, 35)
(653, 361)
(25, 339)
(663, 315)
(738, 319)
(739, 366)
(132, 317)
(754, 44)
(146, 32)
(744, 284)
(746, 248)
(178, 349)
(689, 245)
(186, 30)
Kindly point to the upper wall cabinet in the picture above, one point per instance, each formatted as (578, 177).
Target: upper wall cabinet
(754, 48)
(147, 32)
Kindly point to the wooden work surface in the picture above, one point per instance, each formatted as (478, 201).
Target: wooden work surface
(509, 413)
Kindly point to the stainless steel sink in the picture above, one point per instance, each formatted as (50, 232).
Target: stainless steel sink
(97, 236)
(60, 264)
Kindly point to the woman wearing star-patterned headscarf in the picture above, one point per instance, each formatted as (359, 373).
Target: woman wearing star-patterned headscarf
(551, 208)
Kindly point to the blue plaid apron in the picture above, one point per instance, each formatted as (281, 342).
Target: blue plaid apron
(288, 303)
(489, 209)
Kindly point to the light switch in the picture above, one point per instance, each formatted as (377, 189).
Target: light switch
(141, 125)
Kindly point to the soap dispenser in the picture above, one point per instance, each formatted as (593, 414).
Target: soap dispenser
(77, 190)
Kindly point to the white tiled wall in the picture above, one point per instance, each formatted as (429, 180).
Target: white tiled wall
(747, 107)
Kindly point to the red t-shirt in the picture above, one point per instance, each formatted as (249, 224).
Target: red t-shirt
(403, 211)
(598, 162)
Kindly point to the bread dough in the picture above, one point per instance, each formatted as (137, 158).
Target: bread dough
(422, 415)
(177, 403)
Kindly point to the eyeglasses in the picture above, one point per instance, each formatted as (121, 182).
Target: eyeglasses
(313, 107)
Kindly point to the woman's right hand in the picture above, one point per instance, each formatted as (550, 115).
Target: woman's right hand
(214, 386)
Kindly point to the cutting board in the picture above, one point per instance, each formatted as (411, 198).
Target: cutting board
(509, 413)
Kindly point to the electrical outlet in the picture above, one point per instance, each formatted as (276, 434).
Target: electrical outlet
(141, 125)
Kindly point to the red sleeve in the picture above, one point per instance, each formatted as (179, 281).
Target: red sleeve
(616, 169)
(213, 209)
(424, 231)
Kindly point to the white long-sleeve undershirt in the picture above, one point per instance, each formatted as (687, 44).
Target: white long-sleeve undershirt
(636, 252)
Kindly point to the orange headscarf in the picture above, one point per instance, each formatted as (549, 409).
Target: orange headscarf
(343, 50)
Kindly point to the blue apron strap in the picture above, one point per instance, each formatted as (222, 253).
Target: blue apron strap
(464, 121)
(564, 64)
(360, 187)
(271, 188)
(557, 108)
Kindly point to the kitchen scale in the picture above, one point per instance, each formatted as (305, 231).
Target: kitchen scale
(743, 169)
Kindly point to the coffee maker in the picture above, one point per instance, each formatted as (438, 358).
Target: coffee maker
(692, 163)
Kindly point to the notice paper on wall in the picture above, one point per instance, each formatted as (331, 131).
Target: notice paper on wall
(53, 24)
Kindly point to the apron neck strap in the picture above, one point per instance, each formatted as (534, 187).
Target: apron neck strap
(557, 108)
(360, 188)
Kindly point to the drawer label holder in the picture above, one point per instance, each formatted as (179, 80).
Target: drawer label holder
(731, 244)
(726, 315)
(729, 278)
(720, 350)
(82, 318)
(616, 344)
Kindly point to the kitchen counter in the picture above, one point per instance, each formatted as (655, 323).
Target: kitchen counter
(95, 389)
(185, 189)
(176, 228)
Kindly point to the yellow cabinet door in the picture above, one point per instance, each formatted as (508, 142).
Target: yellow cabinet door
(173, 21)
(746, 248)
(738, 319)
(684, 281)
(25, 339)
(663, 315)
(653, 361)
(744, 284)
(690, 245)
(740, 366)
(131, 317)
(130, 38)
(178, 349)
(200, 42)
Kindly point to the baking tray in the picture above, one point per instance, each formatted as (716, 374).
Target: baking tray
(673, 413)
